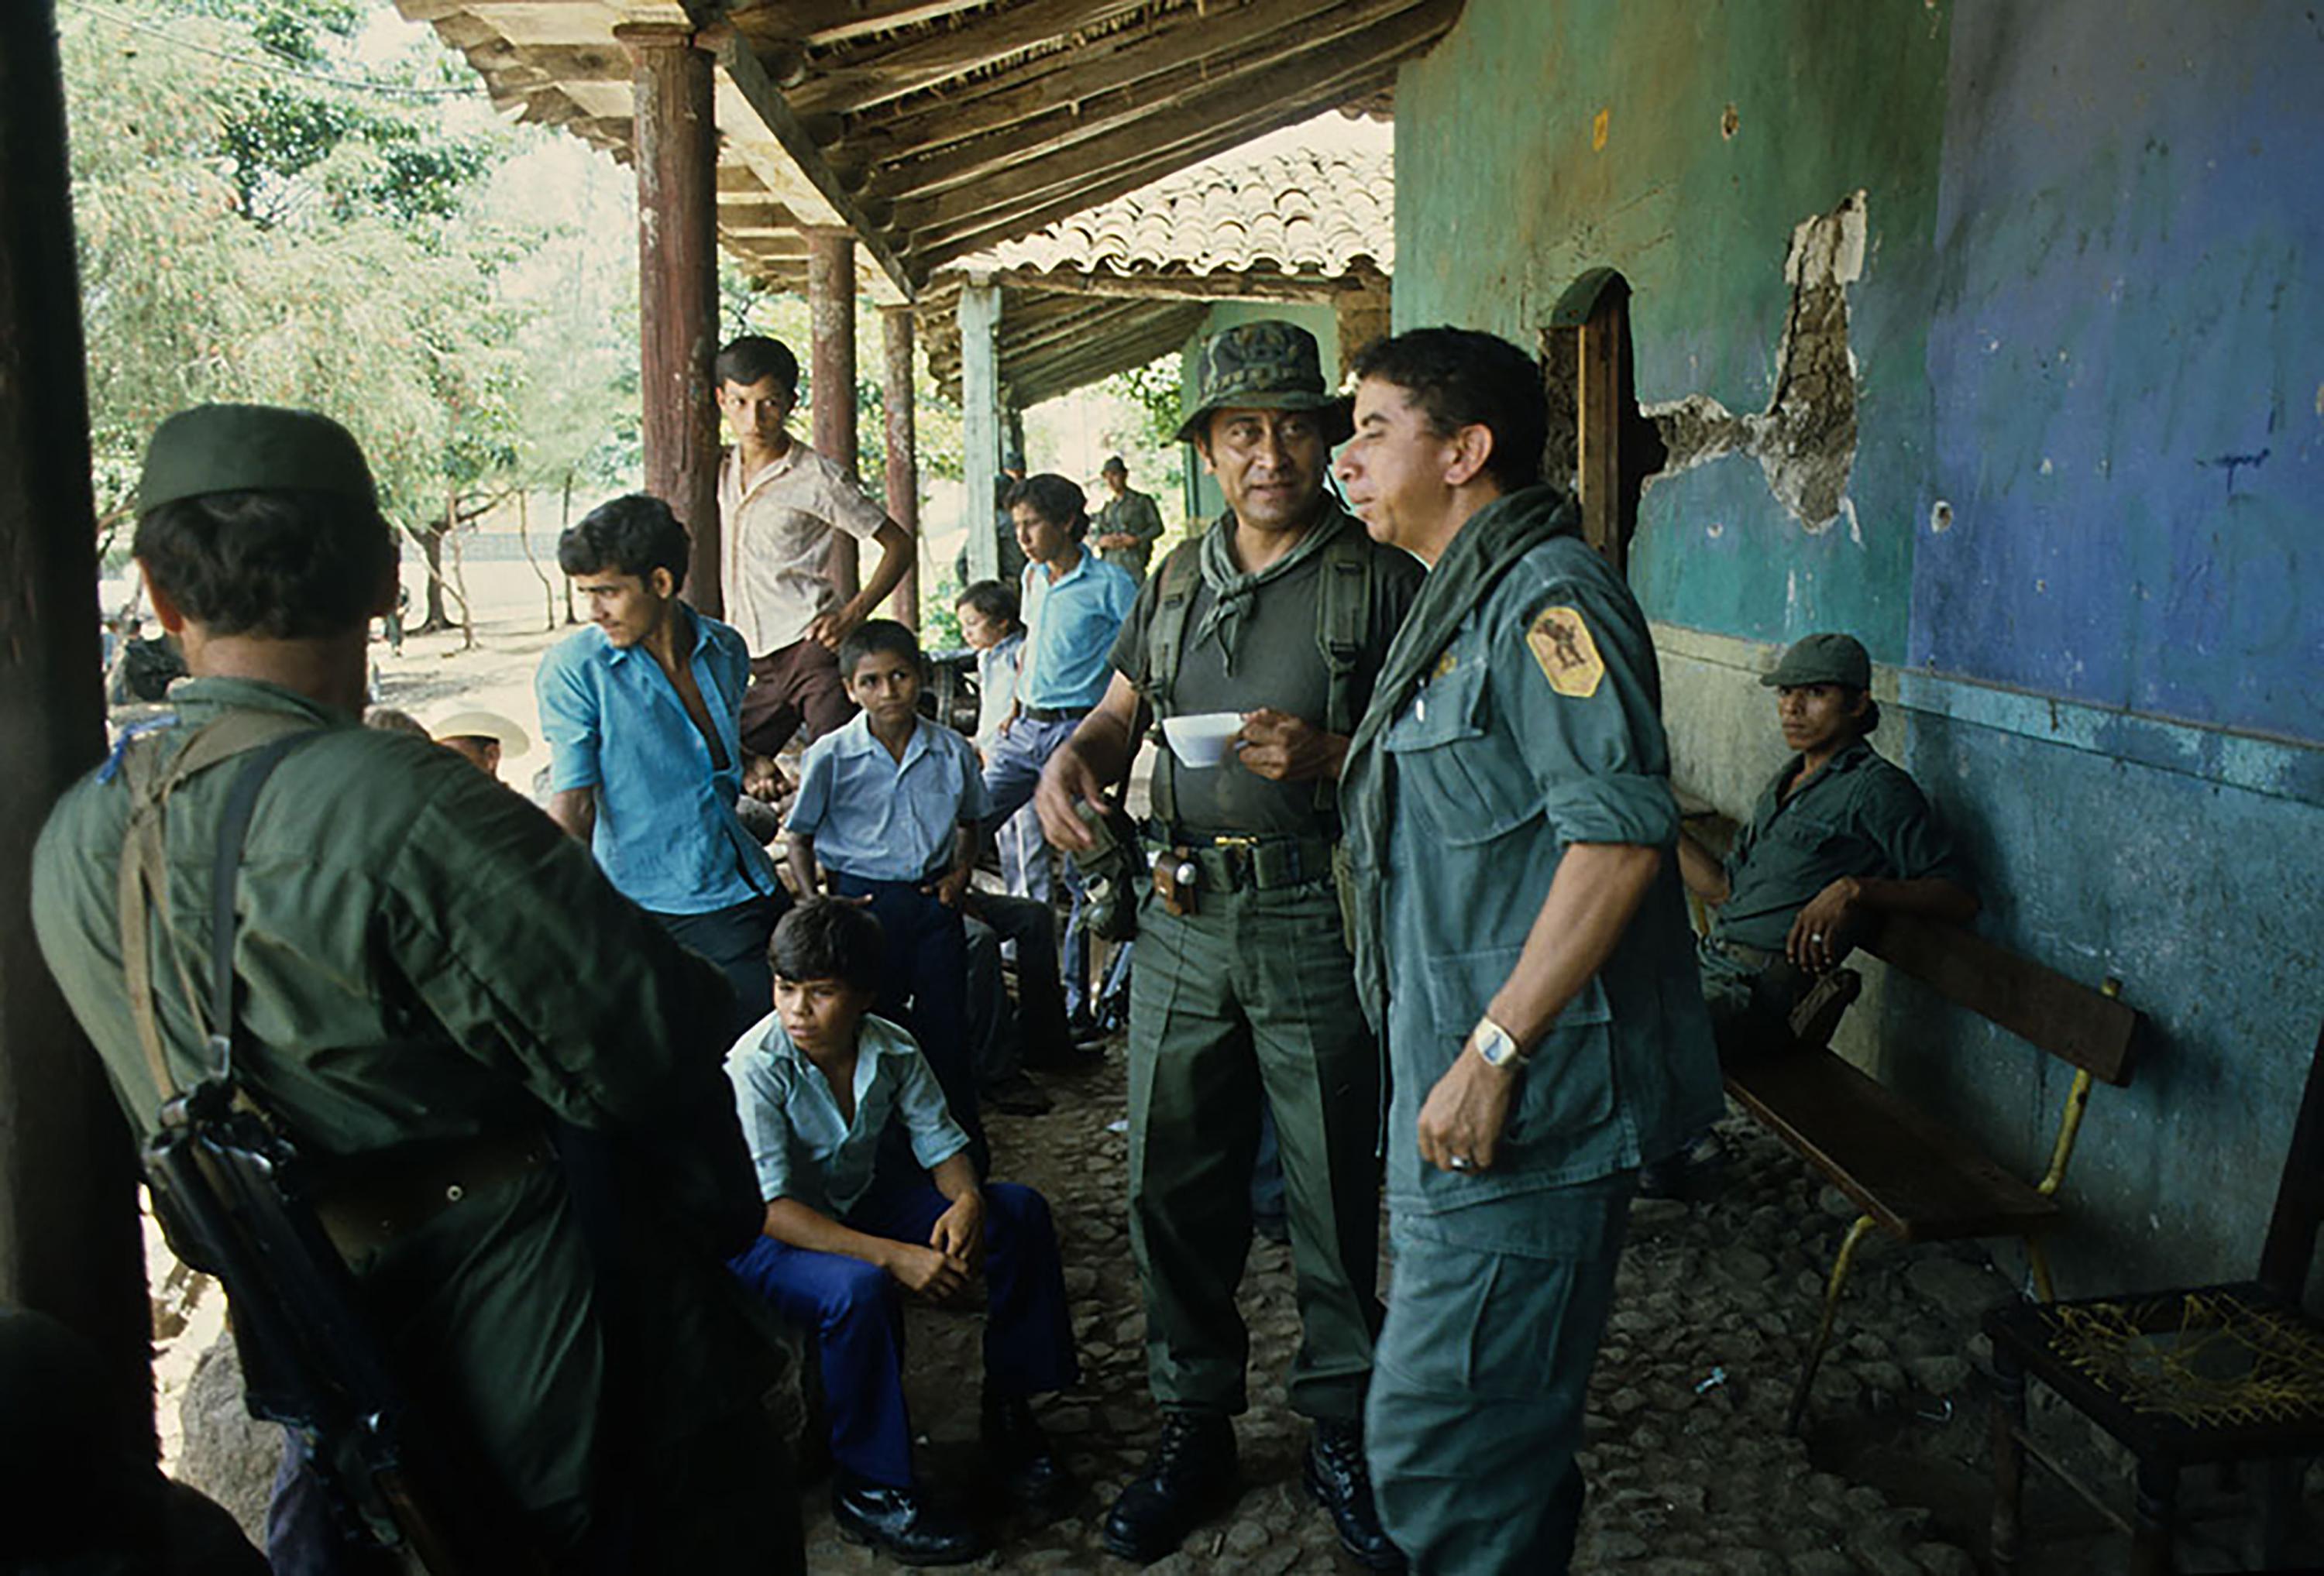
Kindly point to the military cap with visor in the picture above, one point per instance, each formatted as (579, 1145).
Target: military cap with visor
(1821, 659)
(1266, 365)
(251, 448)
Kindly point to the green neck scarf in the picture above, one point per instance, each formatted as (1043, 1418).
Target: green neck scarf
(1234, 589)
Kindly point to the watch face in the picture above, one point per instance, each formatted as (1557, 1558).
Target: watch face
(1494, 1044)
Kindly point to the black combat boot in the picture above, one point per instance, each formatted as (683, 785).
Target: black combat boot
(912, 1531)
(1338, 1481)
(1190, 1477)
(1021, 1453)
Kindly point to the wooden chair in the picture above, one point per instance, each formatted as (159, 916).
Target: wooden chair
(2225, 1373)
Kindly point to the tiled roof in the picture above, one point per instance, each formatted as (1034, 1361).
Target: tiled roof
(1302, 211)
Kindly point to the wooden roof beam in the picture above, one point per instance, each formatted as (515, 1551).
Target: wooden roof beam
(1180, 50)
(766, 100)
(882, 75)
(837, 22)
(1120, 161)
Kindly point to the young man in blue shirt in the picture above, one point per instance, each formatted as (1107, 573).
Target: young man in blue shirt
(890, 807)
(817, 1084)
(642, 711)
(1073, 604)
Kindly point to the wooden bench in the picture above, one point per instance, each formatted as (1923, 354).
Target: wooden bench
(1911, 1175)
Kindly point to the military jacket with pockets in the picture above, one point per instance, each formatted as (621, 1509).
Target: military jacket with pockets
(426, 958)
(1539, 727)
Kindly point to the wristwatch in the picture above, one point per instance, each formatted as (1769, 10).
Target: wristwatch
(1497, 1045)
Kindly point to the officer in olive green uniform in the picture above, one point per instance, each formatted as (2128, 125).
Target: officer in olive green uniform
(1126, 529)
(437, 985)
(1521, 937)
(1240, 984)
(1839, 834)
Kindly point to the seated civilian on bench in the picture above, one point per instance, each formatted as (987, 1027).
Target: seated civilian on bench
(817, 1081)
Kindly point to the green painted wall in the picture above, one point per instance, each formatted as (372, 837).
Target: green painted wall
(1202, 499)
(1504, 195)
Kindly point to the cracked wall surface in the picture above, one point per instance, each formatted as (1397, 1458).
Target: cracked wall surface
(1805, 439)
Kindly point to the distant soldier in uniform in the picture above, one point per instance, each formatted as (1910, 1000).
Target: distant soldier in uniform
(443, 1000)
(1130, 523)
(1521, 940)
(1241, 989)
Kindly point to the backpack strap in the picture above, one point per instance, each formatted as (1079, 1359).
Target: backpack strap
(1181, 575)
(143, 890)
(1343, 614)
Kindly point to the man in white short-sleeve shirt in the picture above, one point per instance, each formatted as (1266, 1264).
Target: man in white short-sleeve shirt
(778, 505)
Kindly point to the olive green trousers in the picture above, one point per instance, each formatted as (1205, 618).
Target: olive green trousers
(1251, 997)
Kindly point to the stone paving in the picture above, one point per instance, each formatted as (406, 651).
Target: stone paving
(1690, 1473)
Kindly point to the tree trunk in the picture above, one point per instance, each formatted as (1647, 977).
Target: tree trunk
(524, 540)
(431, 548)
(564, 524)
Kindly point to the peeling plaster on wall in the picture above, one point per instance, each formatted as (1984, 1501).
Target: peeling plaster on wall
(1805, 441)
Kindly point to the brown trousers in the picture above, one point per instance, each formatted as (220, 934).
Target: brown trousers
(799, 683)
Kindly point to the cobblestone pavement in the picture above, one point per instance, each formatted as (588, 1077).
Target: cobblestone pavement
(1690, 1472)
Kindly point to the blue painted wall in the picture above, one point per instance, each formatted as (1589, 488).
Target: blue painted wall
(2087, 534)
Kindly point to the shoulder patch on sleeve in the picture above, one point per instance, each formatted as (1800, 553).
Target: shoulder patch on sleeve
(1561, 644)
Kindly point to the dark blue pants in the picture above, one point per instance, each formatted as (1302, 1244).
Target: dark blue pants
(855, 1312)
(735, 939)
(1012, 770)
(924, 986)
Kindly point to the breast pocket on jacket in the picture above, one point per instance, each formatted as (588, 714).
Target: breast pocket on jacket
(1470, 785)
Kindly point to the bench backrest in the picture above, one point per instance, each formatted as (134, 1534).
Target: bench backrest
(2087, 1028)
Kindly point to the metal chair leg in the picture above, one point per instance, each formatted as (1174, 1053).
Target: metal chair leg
(1838, 1279)
(2157, 1519)
(2008, 1415)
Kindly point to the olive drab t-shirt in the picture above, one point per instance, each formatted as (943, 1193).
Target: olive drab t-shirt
(1278, 663)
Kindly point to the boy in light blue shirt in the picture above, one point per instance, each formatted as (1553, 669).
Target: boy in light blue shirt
(888, 808)
(818, 1085)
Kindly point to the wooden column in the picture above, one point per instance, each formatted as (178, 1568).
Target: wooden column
(903, 478)
(980, 422)
(677, 286)
(831, 327)
(70, 1241)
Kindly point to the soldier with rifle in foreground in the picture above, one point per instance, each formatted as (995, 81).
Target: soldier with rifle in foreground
(515, 1152)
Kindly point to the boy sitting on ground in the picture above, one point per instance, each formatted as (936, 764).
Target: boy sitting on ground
(818, 1083)
(889, 805)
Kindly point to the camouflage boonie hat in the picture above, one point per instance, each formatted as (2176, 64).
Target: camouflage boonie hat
(1267, 365)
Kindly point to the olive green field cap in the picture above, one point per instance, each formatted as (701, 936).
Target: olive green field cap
(1823, 659)
(1266, 365)
(237, 448)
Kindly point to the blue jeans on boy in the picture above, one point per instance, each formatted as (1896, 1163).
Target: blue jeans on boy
(855, 1311)
(1012, 770)
(925, 964)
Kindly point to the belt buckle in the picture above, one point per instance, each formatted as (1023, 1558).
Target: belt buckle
(1241, 856)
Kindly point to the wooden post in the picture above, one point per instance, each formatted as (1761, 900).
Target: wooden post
(831, 325)
(677, 286)
(980, 421)
(69, 1240)
(1616, 448)
(903, 478)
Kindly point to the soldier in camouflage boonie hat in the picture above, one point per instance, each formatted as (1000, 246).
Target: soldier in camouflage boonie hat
(1267, 365)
